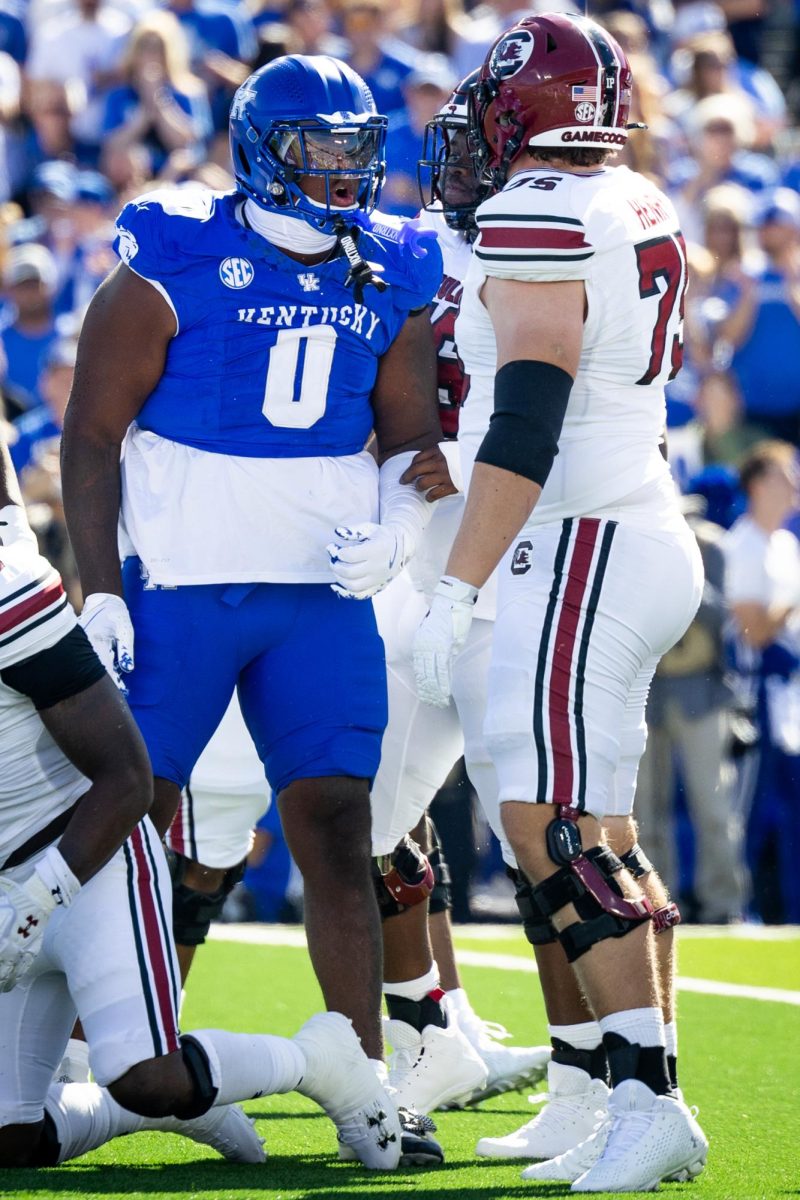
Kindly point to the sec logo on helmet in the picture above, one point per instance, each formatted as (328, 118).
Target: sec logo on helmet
(236, 272)
(511, 54)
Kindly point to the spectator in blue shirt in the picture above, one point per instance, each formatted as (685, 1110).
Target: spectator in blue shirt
(29, 281)
(222, 47)
(39, 430)
(763, 324)
(721, 129)
(162, 107)
(425, 91)
(385, 64)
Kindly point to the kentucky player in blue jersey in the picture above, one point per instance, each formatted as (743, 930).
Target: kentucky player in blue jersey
(236, 363)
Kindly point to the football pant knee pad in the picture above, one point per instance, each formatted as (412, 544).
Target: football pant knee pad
(193, 911)
(440, 898)
(537, 926)
(402, 879)
(638, 864)
(585, 879)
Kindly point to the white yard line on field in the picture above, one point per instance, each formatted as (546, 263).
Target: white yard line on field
(290, 935)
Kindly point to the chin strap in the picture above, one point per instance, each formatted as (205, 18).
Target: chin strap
(360, 274)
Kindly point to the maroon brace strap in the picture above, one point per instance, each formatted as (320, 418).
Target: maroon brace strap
(406, 893)
(597, 885)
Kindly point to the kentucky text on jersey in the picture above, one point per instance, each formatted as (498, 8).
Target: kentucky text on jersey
(350, 316)
(272, 358)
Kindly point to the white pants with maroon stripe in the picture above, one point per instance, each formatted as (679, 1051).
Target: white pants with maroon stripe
(583, 618)
(225, 798)
(421, 744)
(108, 958)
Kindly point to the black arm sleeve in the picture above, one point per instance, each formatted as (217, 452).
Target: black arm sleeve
(530, 400)
(61, 671)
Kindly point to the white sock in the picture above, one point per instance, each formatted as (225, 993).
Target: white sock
(642, 1025)
(246, 1065)
(586, 1035)
(459, 1000)
(86, 1116)
(671, 1038)
(414, 989)
(74, 1066)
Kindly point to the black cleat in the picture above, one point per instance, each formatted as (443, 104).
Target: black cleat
(419, 1147)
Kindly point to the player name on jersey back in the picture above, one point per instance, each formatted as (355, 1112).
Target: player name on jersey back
(616, 233)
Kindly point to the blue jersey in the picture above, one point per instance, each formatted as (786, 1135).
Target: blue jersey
(272, 358)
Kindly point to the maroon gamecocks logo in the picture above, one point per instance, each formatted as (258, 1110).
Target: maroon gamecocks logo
(511, 53)
(522, 560)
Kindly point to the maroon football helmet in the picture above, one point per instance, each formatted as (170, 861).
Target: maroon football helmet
(555, 81)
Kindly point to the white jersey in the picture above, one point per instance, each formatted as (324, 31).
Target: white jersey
(428, 564)
(618, 234)
(37, 781)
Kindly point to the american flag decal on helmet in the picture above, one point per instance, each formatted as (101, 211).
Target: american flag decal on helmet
(585, 93)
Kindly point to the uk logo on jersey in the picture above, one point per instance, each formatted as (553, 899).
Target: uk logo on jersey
(236, 273)
(308, 281)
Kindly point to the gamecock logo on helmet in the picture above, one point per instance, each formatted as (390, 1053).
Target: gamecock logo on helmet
(511, 54)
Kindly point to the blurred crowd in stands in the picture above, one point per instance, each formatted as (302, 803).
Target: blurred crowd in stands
(103, 99)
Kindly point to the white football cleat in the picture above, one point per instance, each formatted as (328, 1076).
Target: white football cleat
(225, 1128)
(510, 1067)
(650, 1138)
(341, 1079)
(569, 1166)
(569, 1116)
(431, 1068)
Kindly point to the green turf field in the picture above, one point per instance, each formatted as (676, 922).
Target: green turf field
(740, 1059)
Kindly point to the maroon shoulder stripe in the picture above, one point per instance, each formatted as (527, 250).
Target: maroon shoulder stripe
(522, 238)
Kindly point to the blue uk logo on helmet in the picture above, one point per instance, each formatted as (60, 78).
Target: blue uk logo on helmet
(306, 140)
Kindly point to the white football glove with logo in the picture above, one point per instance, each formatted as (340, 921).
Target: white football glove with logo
(440, 637)
(366, 556)
(364, 559)
(25, 909)
(107, 624)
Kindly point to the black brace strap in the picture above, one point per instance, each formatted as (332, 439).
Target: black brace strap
(193, 911)
(440, 898)
(535, 922)
(637, 862)
(196, 1062)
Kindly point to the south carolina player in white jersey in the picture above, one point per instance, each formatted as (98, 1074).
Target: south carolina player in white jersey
(429, 1011)
(570, 327)
(84, 898)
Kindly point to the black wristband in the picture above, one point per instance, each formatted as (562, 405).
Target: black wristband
(530, 400)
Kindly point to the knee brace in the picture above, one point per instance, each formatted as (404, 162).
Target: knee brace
(639, 864)
(402, 881)
(585, 879)
(440, 898)
(192, 911)
(537, 926)
(196, 1063)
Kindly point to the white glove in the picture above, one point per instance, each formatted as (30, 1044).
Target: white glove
(14, 528)
(25, 909)
(107, 624)
(440, 637)
(365, 558)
